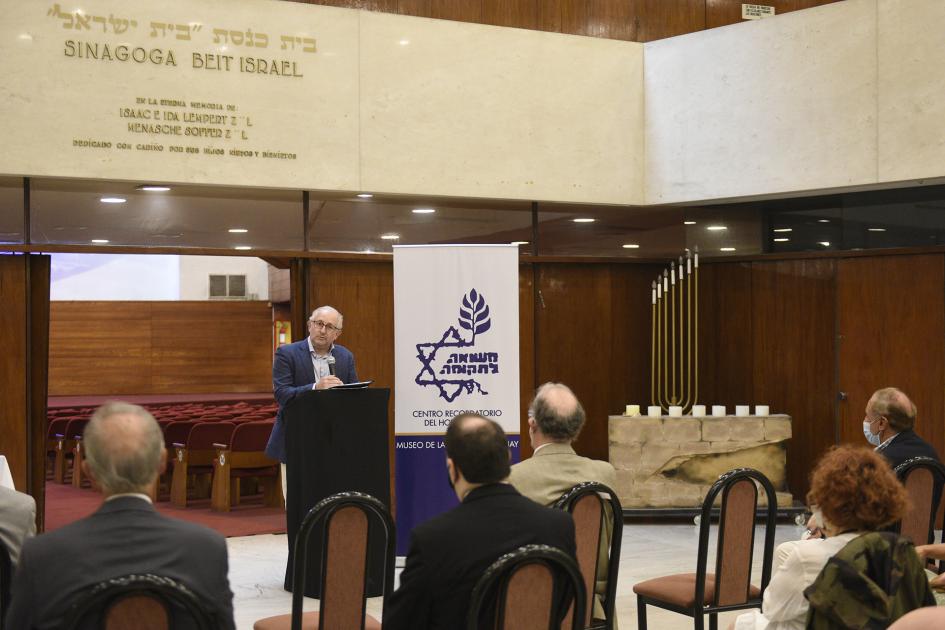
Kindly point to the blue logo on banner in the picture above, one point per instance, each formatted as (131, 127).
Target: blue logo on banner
(446, 371)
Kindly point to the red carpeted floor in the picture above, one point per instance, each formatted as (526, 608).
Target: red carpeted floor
(65, 504)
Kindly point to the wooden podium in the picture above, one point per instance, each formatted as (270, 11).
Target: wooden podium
(336, 441)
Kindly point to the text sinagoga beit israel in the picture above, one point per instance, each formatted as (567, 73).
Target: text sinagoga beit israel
(175, 124)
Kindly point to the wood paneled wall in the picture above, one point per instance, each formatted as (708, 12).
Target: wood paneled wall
(630, 20)
(114, 348)
(24, 321)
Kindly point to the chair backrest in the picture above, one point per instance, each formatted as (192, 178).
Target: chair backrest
(6, 577)
(251, 436)
(204, 435)
(56, 426)
(591, 504)
(76, 426)
(345, 542)
(923, 478)
(177, 431)
(529, 589)
(138, 602)
(736, 535)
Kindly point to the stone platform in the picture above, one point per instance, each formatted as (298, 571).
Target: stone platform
(671, 462)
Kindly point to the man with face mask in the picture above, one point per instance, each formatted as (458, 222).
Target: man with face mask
(888, 425)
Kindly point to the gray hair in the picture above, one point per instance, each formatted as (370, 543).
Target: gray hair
(329, 309)
(557, 412)
(123, 445)
(895, 406)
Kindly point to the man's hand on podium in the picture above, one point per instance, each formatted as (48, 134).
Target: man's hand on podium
(327, 382)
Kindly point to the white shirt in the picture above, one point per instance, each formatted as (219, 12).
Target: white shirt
(319, 362)
(129, 494)
(797, 564)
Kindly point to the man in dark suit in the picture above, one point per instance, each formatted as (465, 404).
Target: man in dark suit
(888, 425)
(305, 365)
(449, 553)
(17, 520)
(124, 453)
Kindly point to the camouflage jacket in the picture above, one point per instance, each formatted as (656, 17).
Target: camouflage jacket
(875, 579)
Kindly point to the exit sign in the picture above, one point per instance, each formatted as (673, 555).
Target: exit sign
(756, 11)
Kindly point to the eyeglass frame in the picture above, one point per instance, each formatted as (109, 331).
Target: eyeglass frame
(317, 323)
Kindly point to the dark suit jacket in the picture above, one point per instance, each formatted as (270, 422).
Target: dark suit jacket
(449, 553)
(293, 374)
(907, 445)
(126, 535)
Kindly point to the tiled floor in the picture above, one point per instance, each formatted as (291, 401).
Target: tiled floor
(257, 565)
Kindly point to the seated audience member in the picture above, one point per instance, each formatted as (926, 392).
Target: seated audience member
(449, 553)
(937, 581)
(853, 491)
(555, 418)
(124, 453)
(888, 425)
(17, 520)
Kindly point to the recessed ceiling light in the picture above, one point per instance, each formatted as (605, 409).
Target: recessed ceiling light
(584, 220)
(99, 241)
(781, 240)
(783, 230)
(631, 246)
(242, 247)
(237, 230)
(726, 249)
(716, 228)
(519, 243)
(151, 188)
(823, 220)
(390, 237)
(423, 210)
(365, 195)
(404, 42)
(689, 222)
(824, 243)
(876, 229)
(113, 200)
(25, 37)
(367, 250)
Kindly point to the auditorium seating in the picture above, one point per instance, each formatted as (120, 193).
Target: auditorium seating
(193, 460)
(65, 446)
(519, 590)
(240, 458)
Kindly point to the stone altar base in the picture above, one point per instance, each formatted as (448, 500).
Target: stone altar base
(672, 462)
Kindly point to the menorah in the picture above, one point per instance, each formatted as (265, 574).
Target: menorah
(674, 358)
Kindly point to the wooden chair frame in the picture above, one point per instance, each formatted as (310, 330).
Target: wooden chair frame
(698, 611)
(225, 492)
(937, 471)
(589, 569)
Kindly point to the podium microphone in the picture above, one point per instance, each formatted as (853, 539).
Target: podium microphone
(331, 364)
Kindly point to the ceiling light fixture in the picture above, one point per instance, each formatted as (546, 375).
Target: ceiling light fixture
(583, 220)
(689, 222)
(365, 195)
(242, 247)
(781, 240)
(237, 230)
(783, 230)
(875, 229)
(716, 228)
(631, 246)
(100, 241)
(726, 249)
(423, 210)
(824, 243)
(153, 188)
(113, 200)
(404, 42)
(823, 220)
(390, 237)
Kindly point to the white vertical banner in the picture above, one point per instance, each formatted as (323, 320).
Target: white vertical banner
(456, 350)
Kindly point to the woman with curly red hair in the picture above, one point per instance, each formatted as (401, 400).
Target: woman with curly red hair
(853, 491)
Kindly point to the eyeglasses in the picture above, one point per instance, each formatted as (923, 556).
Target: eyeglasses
(324, 325)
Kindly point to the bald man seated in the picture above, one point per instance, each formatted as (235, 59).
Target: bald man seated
(555, 419)
(124, 453)
(889, 424)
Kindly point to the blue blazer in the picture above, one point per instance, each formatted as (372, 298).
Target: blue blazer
(292, 374)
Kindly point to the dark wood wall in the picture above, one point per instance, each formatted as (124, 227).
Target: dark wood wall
(105, 348)
(631, 20)
(24, 322)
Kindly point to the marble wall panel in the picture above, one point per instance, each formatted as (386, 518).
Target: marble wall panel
(771, 106)
(472, 110)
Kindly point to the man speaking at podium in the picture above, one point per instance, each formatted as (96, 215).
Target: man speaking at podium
(316, 362)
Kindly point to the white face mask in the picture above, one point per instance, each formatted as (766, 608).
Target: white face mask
(872, 438)
(818, 517)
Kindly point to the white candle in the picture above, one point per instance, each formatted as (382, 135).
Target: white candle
(654, 411)
(675, 411)
(698, 411)
(633, 410)
(653, 293)
(718, 411)
(762, 410)
(742, 410)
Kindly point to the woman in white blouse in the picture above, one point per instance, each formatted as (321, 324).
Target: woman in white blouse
(853, 491)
